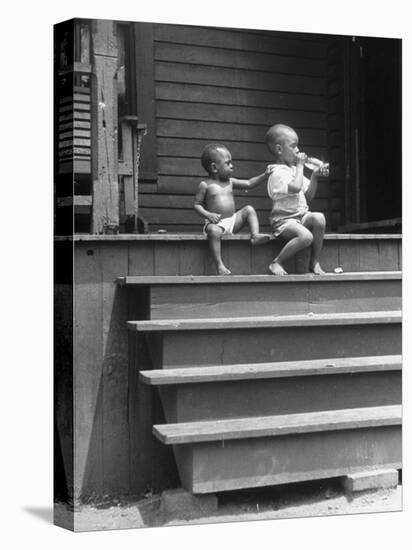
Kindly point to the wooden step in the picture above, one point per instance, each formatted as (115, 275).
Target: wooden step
(234, 391)
(266, 321)
(282, 369)
(169, 297)
(236, 454)
(196, 342)
(271, 426)
(188, 254)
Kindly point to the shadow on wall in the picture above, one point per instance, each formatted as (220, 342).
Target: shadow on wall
(116, 453)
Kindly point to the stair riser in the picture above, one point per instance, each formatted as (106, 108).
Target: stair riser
(194, 258)
(227, 300)
(239, 464)
(255, 345)
(266, 397)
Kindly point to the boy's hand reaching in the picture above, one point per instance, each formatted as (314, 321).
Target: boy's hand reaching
(214, 218)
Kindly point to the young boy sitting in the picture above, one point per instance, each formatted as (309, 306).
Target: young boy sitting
(291, 192)
(215, 203)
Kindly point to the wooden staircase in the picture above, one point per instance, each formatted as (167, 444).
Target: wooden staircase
(267, 380)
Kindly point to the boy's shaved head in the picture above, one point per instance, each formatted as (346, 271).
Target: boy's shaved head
(210, 153)
(276, 134)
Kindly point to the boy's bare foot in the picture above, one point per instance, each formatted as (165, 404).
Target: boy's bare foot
(223, 270)
(260, 238)
(317, 270)
(276, 269)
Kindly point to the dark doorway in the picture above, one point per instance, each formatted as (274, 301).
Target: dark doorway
(380, 129)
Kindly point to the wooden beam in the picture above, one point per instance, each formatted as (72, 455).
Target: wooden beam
(189, 237)
(271, 426)
(279, 369)
(104, 128)
(145, 92)
(222, 279)
(268, 321)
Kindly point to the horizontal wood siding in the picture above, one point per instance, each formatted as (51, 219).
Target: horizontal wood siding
(229, 85)
(336, 134)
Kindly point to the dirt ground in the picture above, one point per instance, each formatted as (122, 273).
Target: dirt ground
(302, 500)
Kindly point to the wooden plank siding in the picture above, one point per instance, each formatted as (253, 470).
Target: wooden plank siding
(336, 153)
(229, 85)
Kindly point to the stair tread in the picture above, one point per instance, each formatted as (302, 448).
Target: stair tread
(265, 426)
(200, 237)
(268, 321)
(131, 280)
(279, 369)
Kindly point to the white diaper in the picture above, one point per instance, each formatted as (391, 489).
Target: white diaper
(226, 224)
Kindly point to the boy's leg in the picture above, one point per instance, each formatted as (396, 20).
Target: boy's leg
(214, 235)
(298, 238)
(316, 223)
(248, 215)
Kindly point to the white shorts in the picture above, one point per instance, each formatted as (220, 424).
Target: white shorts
(226, 224)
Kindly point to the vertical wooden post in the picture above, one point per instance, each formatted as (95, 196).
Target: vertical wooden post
(104, 129)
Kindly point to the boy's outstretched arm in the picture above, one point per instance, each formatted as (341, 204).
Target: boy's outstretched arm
(252, 182)
(199, 202)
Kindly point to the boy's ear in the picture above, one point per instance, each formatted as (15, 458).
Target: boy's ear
(278, 148)
(213, 167)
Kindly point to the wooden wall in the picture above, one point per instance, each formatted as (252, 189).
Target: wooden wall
(229, 85)
(339, 198)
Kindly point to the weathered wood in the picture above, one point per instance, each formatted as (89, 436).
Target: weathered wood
(243, 295)
(281, 369)
(274, 426)
(114, 373)
(192, 167)
(75, 200)
(88, 410)
(79, 166)
(270, 321)
(257, 397)
(176, 91)
(145, 92)
(130, 201)
(231, 78)
(63, 375)
(191, 258)
(217, 57)
(188, 185)
(77, 116)
(349, 256)
(105, 177)
(214, 131)
(368, 255)
(222, 279)
(329, 258)
(388, 255)
(179, 236)
(166, 259)
(232, 114)
(394, 222)
(237, 40)
(278, 343)
(239, 464)
(141, 258)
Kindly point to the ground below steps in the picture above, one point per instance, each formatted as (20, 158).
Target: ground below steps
(310, 499)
